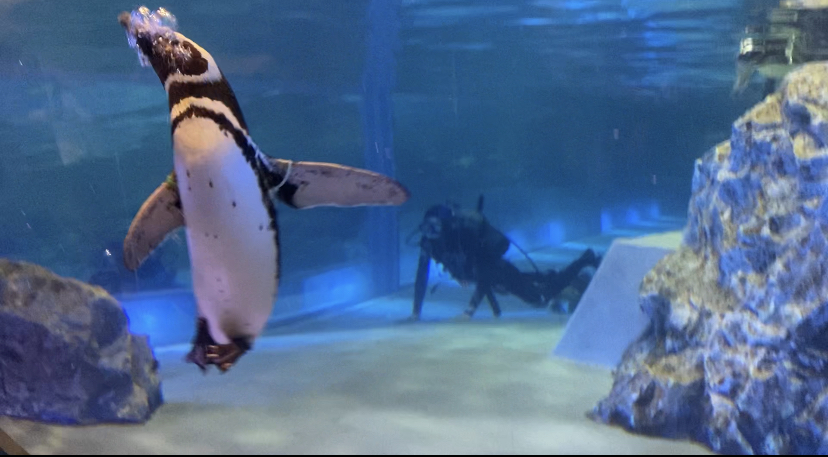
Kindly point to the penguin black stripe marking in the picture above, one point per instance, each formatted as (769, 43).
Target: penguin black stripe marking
(196, 65)
(269, 178)
(286, 194)
(221, 191)
(217, 91)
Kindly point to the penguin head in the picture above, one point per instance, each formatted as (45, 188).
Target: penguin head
(172, 55)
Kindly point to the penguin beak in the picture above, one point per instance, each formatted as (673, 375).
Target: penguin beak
(151, 34)
(138, 36)
(125, 20)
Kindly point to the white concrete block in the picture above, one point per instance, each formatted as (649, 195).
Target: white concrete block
(608, 317)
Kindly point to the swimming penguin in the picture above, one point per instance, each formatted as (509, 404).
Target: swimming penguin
(222, 190)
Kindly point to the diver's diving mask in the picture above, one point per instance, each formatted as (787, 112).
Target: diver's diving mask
(435, 217)
(431, 227)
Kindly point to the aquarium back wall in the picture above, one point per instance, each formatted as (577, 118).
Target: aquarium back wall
(486, 101)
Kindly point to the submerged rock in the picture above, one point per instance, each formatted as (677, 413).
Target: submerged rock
(736, 354)
(66, 353)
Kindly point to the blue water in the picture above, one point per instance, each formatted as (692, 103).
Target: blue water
(578, 120)
(574, 118)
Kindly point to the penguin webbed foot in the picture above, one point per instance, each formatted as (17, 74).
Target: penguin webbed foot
(207, 352)
(225, 356)
(198, 355)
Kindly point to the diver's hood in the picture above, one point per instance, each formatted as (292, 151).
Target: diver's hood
(441, 212)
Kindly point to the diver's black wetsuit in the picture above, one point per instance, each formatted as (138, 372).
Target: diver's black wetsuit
(472, 251)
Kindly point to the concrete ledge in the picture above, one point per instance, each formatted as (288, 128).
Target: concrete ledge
(608, 317)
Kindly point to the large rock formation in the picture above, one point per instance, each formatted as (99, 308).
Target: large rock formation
(736, 355)
(66, 354)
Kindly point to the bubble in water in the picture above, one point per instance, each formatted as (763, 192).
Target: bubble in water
(160, 23)
(165, 19)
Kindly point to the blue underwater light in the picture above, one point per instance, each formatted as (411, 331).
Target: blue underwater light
(578, 4)
(655, 210)
(633, 216)
(166, 317)
(554, 234)
(535, 21)
(606, 220)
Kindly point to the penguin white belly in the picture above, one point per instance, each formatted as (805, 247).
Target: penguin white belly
(233, 251)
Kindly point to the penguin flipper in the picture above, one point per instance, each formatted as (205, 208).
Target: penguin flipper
(159, 216)
(309, 184)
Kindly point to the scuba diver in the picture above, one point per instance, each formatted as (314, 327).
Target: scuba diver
(472, 250)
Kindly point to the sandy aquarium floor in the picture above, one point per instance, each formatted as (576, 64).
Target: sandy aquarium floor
(358, 382)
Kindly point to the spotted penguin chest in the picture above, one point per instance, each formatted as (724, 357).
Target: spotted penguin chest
(232, 245)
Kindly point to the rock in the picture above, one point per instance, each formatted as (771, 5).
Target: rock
(736, 353)
(66, 353)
